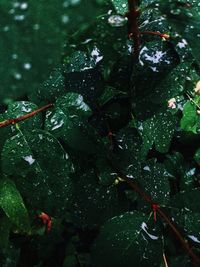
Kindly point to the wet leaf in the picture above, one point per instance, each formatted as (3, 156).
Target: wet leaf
(43, 181)
(94, 203)
(154, 182)
(158, 130)
(49, 90)
(82, 74)
(20, 108)
(187, 200)
(121, 6)
(127, 155)
(69, 121)
(126, 239)
(185, 20)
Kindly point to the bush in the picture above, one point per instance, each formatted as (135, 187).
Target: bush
(100, 163)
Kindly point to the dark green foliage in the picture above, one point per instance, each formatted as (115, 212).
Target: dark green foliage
(126, 239)
(80, 183)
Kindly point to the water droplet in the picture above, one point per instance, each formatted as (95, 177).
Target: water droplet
(65, 19)
(24, 6)
(27, 66)
(117, 20)
(17, 76)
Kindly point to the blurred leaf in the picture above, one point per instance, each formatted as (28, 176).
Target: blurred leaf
(4, 232)
(12, 204)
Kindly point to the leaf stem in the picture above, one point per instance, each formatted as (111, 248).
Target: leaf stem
(24, 117)
(161, 35)
(165, 260)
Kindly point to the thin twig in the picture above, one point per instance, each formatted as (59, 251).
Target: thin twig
(165, 260)
(24, 117)
(196, 104)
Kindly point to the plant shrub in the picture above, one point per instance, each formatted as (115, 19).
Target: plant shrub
(100, 163)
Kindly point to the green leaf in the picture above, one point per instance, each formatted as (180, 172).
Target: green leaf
(69, 121)
(121, 6)
(4, 132)
(157, 56)
(82, 73)
(49, 90)
(171, 163)
(192, 226)
(151, 19)
(159, 130)
(171, 86)
(94, 203)
(5, 225)
(33, 37)
(70, 261)
(127, 155)
(185, 21)
(10, 256)
(190, 117)
(12, 204)
(21, 108)
(155, 183)
(187, 200)
(147, 3)
(41, 169)
(125, 240)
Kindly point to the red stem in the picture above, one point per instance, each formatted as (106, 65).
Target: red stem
(161, 35)
(24, 117)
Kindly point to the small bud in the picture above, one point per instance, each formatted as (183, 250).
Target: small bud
(198, 111)
(120, 179)
(172, 103)
(46, 220)
(165, 36)
(116, 182)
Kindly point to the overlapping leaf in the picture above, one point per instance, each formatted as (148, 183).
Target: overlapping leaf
(42, 177)
(69, 121)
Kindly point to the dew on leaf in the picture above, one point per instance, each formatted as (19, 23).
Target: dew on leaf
(194, 238)
(29, 159)
(117, 20)
(27, 66)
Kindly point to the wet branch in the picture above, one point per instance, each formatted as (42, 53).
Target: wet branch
(24, 117)
(160, 211)
(133, 29)
(134, 32)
